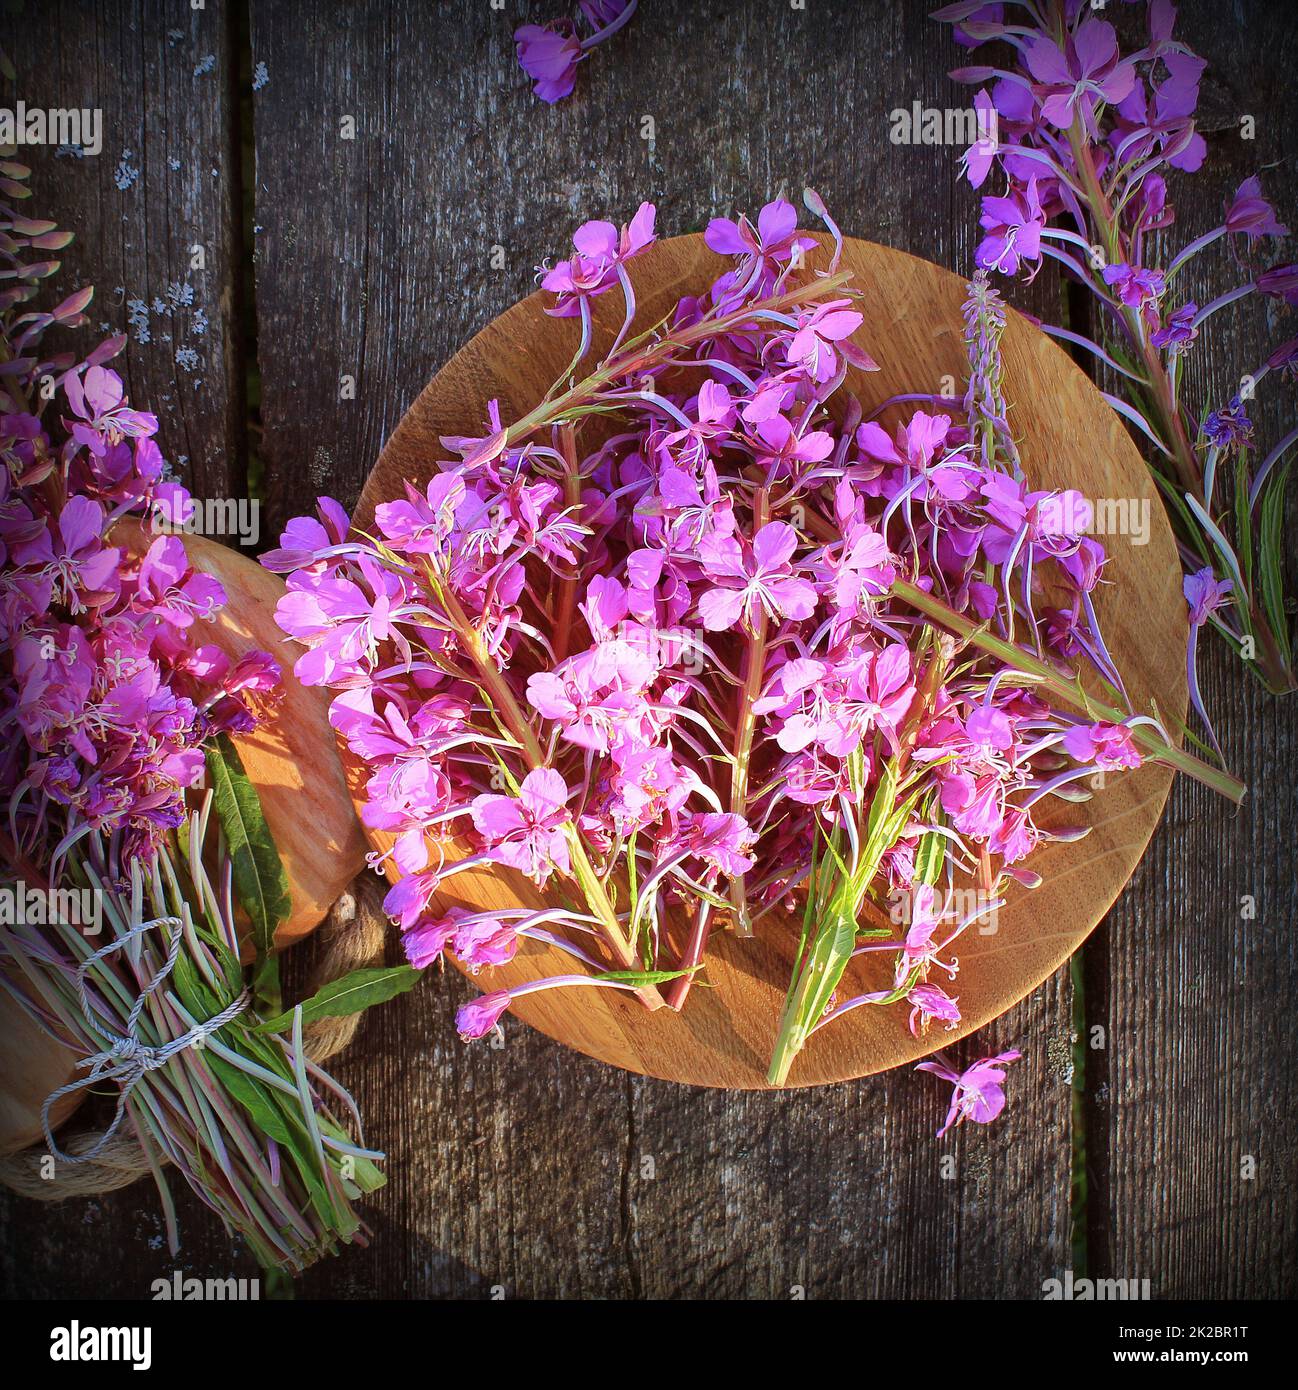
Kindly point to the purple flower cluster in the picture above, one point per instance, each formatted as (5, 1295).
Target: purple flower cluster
(652, 664)
(109, 692)
(1085, 139)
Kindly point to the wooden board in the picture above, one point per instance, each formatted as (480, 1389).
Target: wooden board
(1069, 438)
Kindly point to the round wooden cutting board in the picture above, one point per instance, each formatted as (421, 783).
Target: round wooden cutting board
(1068, 437)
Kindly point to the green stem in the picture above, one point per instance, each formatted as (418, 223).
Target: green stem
(1162, 397)
(1068, 691)
(621, 946)
(636, 358)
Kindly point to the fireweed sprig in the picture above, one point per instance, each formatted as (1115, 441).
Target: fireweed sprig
(1085, 138)
(549, 53)
(693, 640)
(113, 713)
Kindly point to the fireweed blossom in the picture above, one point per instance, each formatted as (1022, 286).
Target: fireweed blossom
(703, 663)
(1088, 140)
(978, 1092)
(549, 53)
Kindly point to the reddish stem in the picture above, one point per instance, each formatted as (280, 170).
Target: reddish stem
(675, 994)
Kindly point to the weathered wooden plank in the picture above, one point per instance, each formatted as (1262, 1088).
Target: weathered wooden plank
(165, 183)
(167, 180)
(375, 261)
(1198, 1075)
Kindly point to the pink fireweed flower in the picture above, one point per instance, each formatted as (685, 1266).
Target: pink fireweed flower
(403, 798)
(549, 54)
(764, 250)
(782, 449)
(720, 840)
(340, 622)
(98, 402)
(484, 939)
(714, 411)
(71, 561)
(822, 336)
(1251, 214)
(918, 448)
(836, 706)
(1205, 593)
(1180, 330)
(421, 524)
(880, 690)
(753, 578)
(172, 589)
(1086, 72)
(928, 1002)
(479, 1016)
(1013, 224)
(979, 1093)
(428, 937)
(1280, 282)
(527, 832)
(596, 697)
(305, 537)
(601, 250)
(973, 802)
(1108, 746)
(1051, 523)
(989, 730)
(861, 572)
(1138, 288)
(977, 161)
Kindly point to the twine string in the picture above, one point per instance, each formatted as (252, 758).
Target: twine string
(128, 1058)
(353, 939)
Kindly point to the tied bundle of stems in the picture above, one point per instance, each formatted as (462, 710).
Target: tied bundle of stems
(211, 1078)
(114, 717)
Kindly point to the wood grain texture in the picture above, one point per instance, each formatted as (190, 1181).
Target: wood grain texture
(524, 1167)
(165, 182)
(913, 328)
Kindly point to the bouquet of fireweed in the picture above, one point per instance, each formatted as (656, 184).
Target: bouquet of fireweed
(123, 789)
(1083, 138)
(694, 639)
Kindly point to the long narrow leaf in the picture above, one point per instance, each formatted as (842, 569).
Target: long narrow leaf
(259, 876)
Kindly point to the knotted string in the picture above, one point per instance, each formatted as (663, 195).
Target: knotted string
(128, 1059)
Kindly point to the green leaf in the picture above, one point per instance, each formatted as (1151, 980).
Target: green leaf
(820, 968)
(813, 988)
(639, 978)
(1270, 559)
(1243, 521)
(259, 877)
(349, 995)
(255, 1098)
(930, 854)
